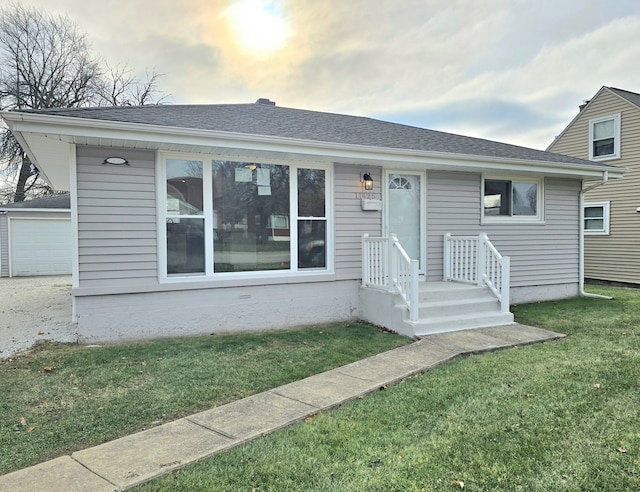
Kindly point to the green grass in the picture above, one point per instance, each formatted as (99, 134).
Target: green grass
(57, 399)
(559, 416)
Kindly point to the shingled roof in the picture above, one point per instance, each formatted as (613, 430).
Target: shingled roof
(632, 97)
(61, 202)
(266, 119)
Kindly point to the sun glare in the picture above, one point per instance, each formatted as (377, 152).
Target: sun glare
(258, 25)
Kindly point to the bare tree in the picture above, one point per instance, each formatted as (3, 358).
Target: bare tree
(45, 62)
(119, 87)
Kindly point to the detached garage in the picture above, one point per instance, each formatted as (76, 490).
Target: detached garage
(35, 237)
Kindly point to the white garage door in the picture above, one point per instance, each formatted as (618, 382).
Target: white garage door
(40, 247)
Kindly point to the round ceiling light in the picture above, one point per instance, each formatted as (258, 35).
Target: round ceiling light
(116, 161)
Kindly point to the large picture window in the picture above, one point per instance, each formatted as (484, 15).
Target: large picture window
(229, 217)
(512, 199)
(251, 204)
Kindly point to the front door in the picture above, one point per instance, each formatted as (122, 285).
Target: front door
(405, 215)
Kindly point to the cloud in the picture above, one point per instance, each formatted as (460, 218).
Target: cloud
(495, 115)
(357, 55)
(510, 70)
(529, 104)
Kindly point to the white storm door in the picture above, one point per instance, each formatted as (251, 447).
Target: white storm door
(405, 212)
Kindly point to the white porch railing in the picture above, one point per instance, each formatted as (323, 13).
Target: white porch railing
(475, 260)
(386, 265)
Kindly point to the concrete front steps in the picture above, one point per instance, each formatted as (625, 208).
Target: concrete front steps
(444, 307)
(452, 306)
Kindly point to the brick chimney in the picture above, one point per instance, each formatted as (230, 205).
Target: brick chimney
(584, 103)
(264, 100)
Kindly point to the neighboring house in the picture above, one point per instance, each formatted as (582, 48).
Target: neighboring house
(607, 130)
(212, 218)
(35, 237)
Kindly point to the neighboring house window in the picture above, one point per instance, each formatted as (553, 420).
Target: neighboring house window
(604, 138)
(512, 199)
(252, 217)
(596, 218)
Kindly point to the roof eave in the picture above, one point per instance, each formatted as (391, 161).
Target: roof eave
(71, 129)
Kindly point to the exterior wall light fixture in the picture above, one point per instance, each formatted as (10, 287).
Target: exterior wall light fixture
(367, 182)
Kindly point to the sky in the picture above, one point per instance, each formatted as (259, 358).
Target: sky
(508, 70)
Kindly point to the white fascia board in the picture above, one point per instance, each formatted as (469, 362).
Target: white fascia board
(68, 129)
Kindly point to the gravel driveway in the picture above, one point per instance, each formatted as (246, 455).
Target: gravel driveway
(33, 309)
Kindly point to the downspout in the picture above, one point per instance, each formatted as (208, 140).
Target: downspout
(605, 178)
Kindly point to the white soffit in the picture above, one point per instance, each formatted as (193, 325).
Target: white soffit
(52, 156)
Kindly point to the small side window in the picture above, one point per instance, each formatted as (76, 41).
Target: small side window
(511, 199)
(604, 138)
(596, 218)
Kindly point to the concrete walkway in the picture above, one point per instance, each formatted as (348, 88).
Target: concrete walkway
(138, 458)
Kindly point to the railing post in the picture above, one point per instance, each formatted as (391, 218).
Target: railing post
(481, 260)
(413, 309)
(392, 267)
(504, 284)
(365, 260)
(446, 257)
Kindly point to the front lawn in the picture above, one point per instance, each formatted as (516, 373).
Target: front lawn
(58, 399)
(563, 415)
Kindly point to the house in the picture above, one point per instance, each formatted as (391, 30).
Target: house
(35, 237)
(607, 130)
(208, 218)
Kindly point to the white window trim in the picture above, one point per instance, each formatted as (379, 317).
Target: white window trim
(606, 210)
(227, 277)
(514, 219)
(616, 137)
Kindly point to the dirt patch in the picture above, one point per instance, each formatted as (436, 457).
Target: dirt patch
(34, 309)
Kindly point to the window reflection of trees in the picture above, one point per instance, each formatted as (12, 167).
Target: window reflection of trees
(246, 216)
(525, 197)
(311, 193)
(250, 222)
(312, 234)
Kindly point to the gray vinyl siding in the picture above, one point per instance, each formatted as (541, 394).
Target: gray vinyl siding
(351, 222)
(4, 246)
(117, 233)
(541, 254)
(615, 257)
(117, 237)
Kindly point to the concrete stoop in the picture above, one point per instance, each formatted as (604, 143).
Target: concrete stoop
(444, 307)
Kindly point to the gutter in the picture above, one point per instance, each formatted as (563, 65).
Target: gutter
(605, 178)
